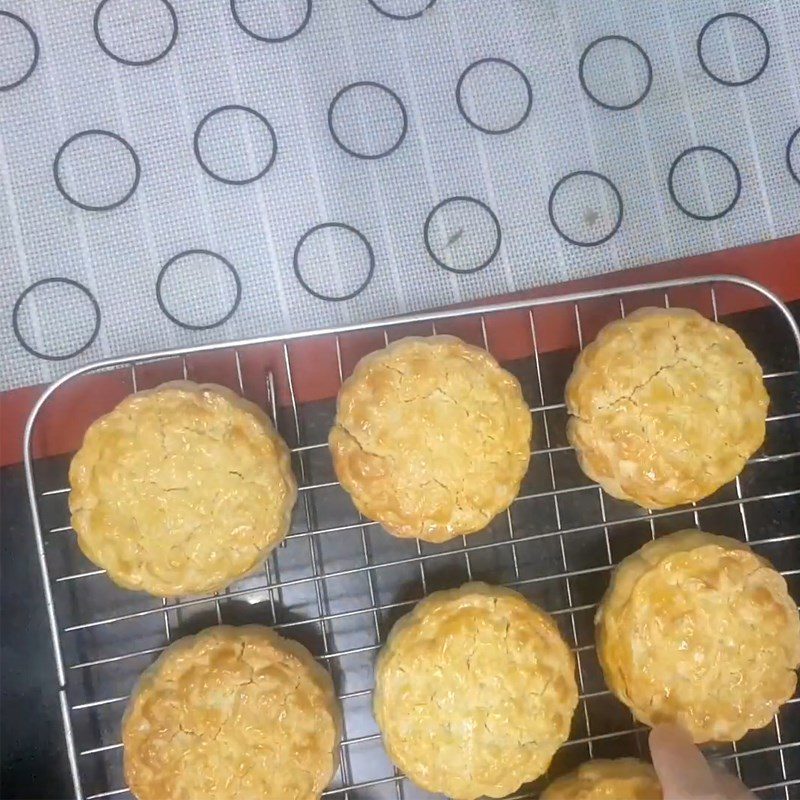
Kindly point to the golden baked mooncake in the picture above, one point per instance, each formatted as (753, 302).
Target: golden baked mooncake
(181, 489)
(665, 407)
(234, 713)
(432, 437)
(607, 779)
(474, 692)
(698, 630)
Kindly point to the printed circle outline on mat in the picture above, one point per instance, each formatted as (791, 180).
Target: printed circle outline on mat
(272, 39)
(136, 62)
(48, 356)
(704, 149)
(481, 205)
(393, 15)
(733, 15)
(582, 72)
(339, 226)
(189, 325)
(96, 132)
(387, 91)
(36, 50)
(789, 145)
(235, 181)
(608, 183)
(528, 91)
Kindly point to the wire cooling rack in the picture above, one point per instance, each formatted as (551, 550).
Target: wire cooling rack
(339, 582)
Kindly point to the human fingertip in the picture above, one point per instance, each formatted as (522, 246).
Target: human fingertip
(681, 768)
(670, 734)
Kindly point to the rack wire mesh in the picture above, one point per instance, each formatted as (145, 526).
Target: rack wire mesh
(339, 582)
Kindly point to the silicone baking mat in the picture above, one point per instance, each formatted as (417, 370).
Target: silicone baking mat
(177, 172)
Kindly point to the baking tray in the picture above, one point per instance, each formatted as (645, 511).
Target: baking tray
(339, 582)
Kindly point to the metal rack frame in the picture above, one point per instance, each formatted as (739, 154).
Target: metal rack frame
(269, 585)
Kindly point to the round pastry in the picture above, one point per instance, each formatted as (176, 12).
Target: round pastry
(233, 713)
(181, 489)
(474, 692)
(432, 437)
(607, 779)
(697, 629)
(665, 407)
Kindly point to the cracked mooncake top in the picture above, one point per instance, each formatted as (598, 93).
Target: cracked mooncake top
(474, 692)
(698, 630)
(181, 489)
(432, 437)
(665, 407)
(233, 713)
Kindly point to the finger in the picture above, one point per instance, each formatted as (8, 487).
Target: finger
(731, 788)
(682, 770)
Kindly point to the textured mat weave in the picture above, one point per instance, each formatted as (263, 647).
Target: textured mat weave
(189, 171)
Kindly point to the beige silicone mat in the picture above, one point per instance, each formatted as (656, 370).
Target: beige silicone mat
(180, 172)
